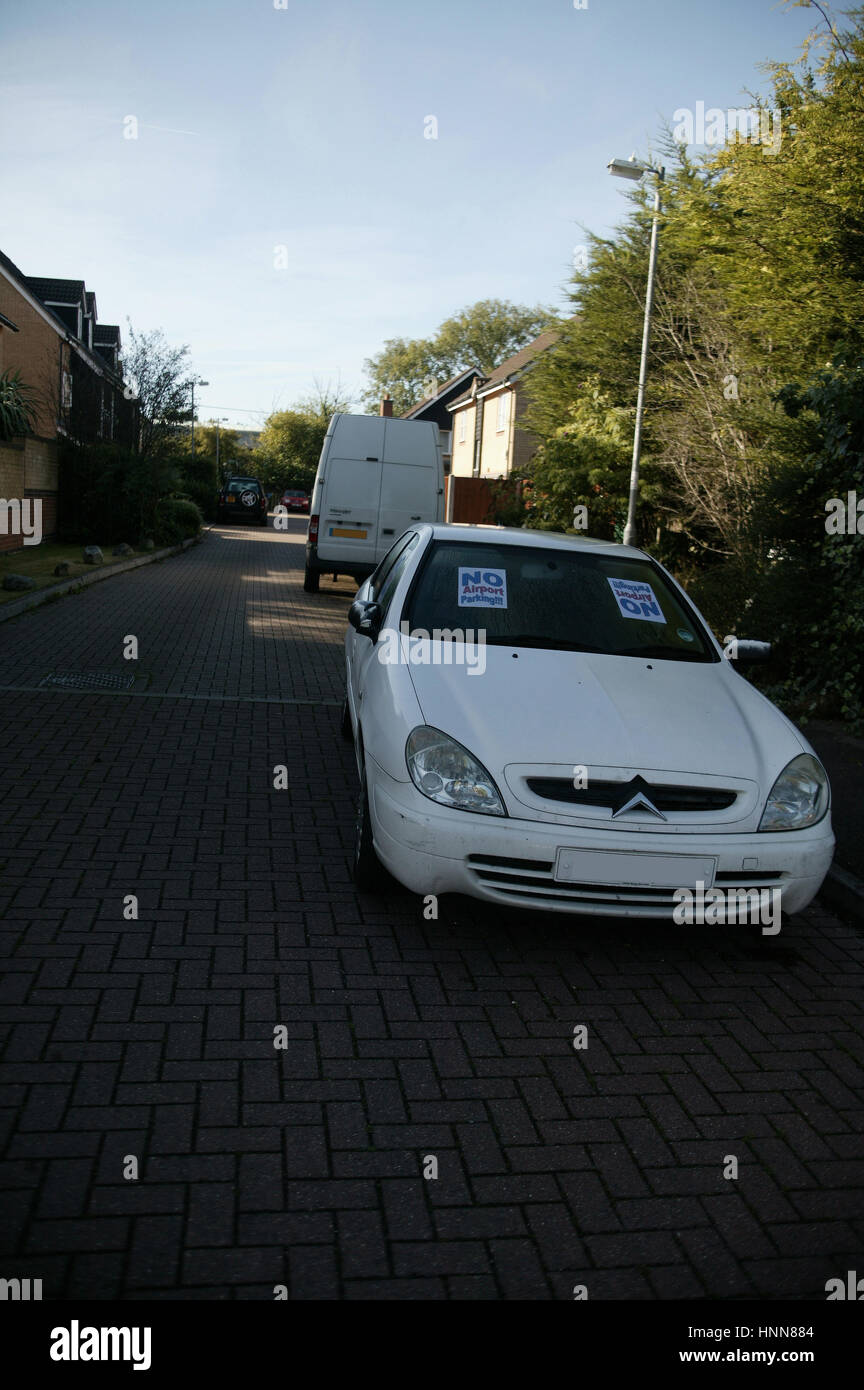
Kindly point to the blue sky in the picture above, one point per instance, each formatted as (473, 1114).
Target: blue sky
(302, 128)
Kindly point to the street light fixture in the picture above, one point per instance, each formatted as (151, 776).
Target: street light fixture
(632, 169)
(196, 381)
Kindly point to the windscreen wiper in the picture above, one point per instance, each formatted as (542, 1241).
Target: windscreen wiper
(551, 644)
(659, 653)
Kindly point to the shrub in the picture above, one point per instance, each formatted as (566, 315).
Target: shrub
(110, 494)
(203, 495)
(176, 520)
(17, 405)
(199, 482)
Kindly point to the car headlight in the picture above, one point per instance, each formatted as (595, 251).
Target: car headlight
(446, 772)
(799, 797)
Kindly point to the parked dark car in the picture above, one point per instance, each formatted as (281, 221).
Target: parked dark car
(243, 498)
(295, 499)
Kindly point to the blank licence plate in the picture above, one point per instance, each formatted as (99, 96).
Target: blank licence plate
(634, 870)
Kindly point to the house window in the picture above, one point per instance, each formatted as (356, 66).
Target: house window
(501, 423)
(67, 390)
(462, 427)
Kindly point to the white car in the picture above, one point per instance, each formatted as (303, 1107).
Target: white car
(547, 722)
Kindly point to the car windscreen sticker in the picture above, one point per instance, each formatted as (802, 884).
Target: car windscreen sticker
(482, 588)
(636, 599)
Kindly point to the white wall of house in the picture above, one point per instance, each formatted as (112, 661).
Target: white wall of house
(462, 452)
(497, 429)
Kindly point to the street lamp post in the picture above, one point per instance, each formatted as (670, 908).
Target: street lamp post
(223, 420)
(630, 169)
(196, 381)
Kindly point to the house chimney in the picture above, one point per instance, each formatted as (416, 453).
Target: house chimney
(387, 407)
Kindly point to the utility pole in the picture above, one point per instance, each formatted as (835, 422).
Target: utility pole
(193, 383)
(223, 420)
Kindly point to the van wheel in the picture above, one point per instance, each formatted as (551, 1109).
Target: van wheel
(345, 726)
(368, 872)
(311, 580)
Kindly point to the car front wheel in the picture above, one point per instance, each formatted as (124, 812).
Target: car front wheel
(345, 726)
(368, 871)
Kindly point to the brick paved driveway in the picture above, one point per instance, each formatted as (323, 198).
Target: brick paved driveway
(406, 1038)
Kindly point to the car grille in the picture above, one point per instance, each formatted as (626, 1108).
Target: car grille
(608, 794)
(533, 879)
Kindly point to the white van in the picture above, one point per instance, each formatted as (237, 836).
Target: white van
(376, 476)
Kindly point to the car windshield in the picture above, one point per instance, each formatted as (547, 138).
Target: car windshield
(564, 599)
(242, 485)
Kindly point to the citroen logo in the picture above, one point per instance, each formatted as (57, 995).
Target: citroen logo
(635, 789)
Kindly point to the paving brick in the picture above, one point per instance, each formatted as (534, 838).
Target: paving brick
(519, 1269)
(233, 1266)
(211, 1215)
(589, 1203)
(154, 1256)
(633, 1248)
(439, 1257)
(482, 1223)
(363, 1246)
(406, 1214)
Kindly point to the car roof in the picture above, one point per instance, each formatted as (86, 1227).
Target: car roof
(517, 535)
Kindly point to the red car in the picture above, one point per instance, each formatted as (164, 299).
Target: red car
(295, 500)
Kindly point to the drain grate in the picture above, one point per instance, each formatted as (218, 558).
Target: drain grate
(86, 680)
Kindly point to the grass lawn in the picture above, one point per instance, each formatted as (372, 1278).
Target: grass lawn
(38, 561)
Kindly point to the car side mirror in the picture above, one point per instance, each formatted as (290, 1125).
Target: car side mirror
(746, 653)
(366, 618)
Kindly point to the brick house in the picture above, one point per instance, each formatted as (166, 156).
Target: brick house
(50, 334)
(487, 439)
(436, 407)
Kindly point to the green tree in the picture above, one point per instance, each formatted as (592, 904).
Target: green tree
(760, 277)
(805, 590)
(585, 462)
(483, 335)
(158, 375)
(291, 440)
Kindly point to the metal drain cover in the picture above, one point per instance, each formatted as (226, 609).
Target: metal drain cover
(86, 680)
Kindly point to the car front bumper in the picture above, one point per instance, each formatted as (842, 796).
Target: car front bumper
(431, 849)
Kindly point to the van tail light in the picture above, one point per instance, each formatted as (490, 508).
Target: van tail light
(313, 528)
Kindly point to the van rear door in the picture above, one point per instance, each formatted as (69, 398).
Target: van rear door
(348, 528)
(411, 479)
